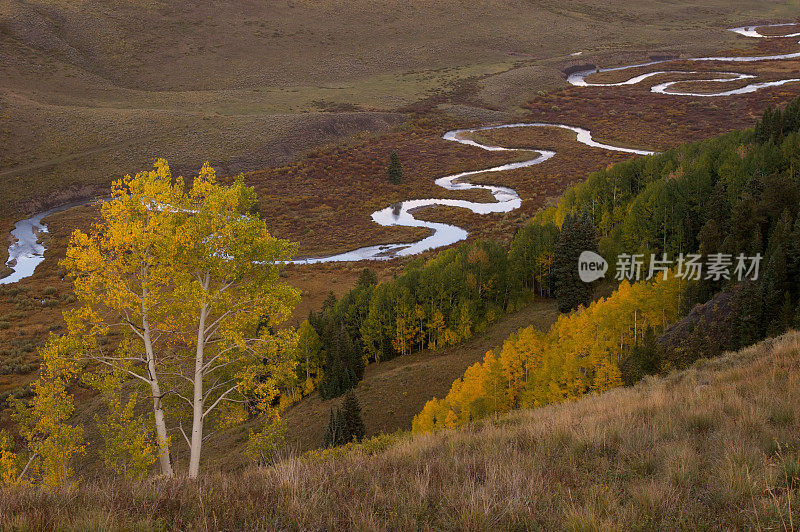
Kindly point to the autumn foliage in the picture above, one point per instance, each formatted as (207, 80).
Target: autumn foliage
(580, 354)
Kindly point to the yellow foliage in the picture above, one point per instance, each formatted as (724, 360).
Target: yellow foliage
(578, 355)
(10, 462)
(185, 278)
(44, 421)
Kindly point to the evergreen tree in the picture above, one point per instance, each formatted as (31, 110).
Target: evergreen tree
(793, 251)
(577, 235)
(351, 418)
(344, 365)
(345, 423)
(644, 359)
(718, 207)
(774, 287)
(341, 342)
(763, 129)
(330, 302)
(395, 169)
(366, 278)
(748, 308)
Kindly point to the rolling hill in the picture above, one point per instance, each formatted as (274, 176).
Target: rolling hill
(713, 446)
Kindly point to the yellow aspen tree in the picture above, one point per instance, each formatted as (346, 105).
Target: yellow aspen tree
(52, 442)
(606, 376)
(513, 361)
(401, 340)
(425, 420)
(436, 327)
(11, 463)
(129, 440)
(450, 419)
(188, 276)
(309, 351)
(579, 354)
(449, 337)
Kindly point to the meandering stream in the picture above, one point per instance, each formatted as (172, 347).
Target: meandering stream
(579, 78)
(26, 252)
(506, 199)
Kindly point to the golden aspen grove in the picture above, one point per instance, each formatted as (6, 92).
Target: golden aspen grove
(580, 354)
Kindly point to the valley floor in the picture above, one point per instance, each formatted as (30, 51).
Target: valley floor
(714, 446)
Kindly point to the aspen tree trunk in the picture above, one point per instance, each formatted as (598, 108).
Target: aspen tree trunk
(155, 391)
(158, 406)
(197, 400)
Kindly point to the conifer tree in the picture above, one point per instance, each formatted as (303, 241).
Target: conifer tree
(395, 169)
(351, 418)
(344, 424)
(774, 288)
(366, 278)
(748, 308)
(330, 302)
(644, 359)
(577, 235)
(719, 208)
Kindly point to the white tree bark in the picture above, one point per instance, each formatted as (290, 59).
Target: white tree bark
(158, 406)
(196, 444)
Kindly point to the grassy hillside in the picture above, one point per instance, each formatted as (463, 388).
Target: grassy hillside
(92, 90)
(392, 392)
(714, 446)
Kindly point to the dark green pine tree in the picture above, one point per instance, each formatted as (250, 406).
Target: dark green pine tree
(793, 251)
(367, 278)
(748, 301)
(775, 284)
(764, 127)
(644, 359)
(718, 207)
(345, 424)
(344, 362)
(351, 418)
(329, 303)
(395, 169)
(577, 234)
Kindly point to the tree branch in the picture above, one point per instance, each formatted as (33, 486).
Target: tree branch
(185, 437)
(25, 469)
(129, 372)
(220, 398)
(215, 387)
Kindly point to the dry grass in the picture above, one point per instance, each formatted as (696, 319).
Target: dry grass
(92, 90)
(391, 393)
(714, 446)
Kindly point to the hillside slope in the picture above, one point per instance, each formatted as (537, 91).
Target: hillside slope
(714, 446)
(391, 393)
(93, 90)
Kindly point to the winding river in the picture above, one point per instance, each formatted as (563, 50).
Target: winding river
(579, 78)
(506, 199)
(26, 252)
